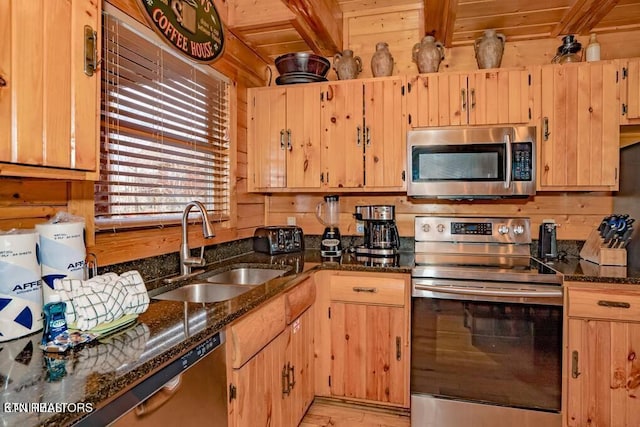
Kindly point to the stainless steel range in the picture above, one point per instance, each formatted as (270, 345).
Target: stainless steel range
(486, 326)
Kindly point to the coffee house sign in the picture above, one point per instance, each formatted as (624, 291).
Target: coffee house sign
(191, 26)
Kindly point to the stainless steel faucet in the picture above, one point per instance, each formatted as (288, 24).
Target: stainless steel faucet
(186, 260)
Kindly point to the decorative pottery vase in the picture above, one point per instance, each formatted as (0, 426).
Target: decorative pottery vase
(489, 49)
(428, 54)
(346, 65)
(382, 61)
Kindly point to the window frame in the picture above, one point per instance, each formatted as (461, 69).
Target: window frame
(227, 221)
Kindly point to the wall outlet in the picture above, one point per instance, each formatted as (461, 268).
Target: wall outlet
(291, 220)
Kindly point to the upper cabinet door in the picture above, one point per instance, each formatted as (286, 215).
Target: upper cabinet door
(385, 133)
(49, 104)
(342, 135)
(303, 136)
(267, 138)
(500, 97)
(631, 92)
(437, 99)
(284, 137)
(578, 142)
(482, 98)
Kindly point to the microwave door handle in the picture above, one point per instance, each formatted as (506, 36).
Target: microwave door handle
(507, 139)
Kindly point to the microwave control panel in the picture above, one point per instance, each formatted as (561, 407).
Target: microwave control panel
(522, 165)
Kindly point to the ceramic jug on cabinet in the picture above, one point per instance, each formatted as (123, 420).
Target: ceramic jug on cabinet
(346, 65)
(382, 61)
(428, 54)
(489, 49)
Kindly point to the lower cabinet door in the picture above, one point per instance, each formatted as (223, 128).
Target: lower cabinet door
(259, 386)
(275, 387)
(300, 360)
(603, 369)
(368, 360)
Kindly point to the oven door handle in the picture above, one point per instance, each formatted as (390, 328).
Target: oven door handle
(476, 291)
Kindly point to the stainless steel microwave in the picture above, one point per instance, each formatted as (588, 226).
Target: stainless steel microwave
(471, 162)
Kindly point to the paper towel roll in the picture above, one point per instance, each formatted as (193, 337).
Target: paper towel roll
(62, 253)
(20, 286)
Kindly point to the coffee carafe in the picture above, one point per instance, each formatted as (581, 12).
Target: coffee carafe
(328, 213)
(380, 232)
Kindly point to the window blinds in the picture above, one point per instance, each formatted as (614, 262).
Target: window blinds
(164, 135)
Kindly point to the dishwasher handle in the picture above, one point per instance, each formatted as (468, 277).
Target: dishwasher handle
(160, 397)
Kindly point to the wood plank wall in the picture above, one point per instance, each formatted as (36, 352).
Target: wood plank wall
(401, 25)
(577, 213)
(24, 203)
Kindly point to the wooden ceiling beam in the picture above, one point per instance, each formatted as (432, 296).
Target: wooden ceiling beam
(583, 15)
(439, 19)
(319, 24)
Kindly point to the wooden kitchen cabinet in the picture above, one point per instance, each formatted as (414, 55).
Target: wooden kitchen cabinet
(362, 337)
(49, 93)
(271, 364)
(385, 148)
(630, 92)
(601, 360)
(489, 97)
(347, 135)
(284, 137)
(578, 133)
(363, 134)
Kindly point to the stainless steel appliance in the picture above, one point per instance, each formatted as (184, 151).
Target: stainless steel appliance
(281, 239)
(381, 237)
(547, 241)
(328, 213)
(471, 162)
(192, 389)
(486, 337)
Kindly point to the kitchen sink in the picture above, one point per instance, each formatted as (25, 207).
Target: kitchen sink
(223, 285)
(204, 292)
(244, 276)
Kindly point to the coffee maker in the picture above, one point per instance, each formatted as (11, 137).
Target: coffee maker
(381, 237)
(328, 213)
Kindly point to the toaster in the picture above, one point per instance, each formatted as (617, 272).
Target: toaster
(278, 239)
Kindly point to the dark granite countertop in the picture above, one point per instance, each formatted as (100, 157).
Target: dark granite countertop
(95, 373)
(575, 269)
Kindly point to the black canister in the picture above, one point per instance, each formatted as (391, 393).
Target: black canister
(547, 243)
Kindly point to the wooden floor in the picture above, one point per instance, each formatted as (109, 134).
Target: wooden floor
(329, 413)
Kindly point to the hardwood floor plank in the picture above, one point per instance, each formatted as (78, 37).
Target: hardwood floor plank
(325, 413)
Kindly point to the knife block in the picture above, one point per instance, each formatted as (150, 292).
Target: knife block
(596, 251)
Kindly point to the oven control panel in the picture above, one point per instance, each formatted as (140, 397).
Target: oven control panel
(472, 228)
(480, 230)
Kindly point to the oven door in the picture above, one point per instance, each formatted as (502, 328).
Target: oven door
(492, 352)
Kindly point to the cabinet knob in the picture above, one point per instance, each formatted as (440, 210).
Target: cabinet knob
(3, 82)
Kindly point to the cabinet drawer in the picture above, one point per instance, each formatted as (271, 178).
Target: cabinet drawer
(255, 330)
(299, 299)
(604, 304)
(368, 289)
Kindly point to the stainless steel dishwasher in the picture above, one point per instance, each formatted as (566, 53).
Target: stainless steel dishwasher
(191, 390)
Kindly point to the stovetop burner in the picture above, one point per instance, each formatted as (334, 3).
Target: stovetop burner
(478, 249)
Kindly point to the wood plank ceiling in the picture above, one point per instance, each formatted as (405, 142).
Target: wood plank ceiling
(275, 27)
